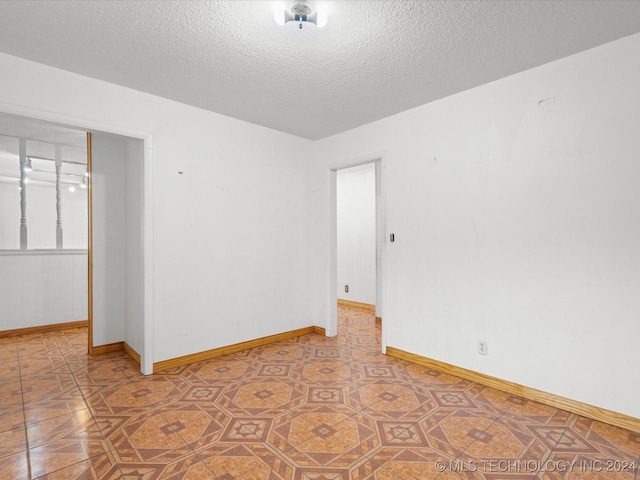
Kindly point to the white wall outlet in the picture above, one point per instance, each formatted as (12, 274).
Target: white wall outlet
(482, 347)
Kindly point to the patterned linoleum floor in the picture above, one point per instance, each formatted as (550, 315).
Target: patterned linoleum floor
(308, 408)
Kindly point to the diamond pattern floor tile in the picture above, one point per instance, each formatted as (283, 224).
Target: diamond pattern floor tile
(308, 408)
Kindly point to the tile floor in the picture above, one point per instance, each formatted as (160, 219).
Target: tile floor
(308, 408)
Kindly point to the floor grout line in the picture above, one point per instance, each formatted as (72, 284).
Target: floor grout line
(24, 414)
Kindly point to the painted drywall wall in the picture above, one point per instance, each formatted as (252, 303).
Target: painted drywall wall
(356, 232)
(229, 262)
(134, 245)
(515, 208)
(42, 288)
(118, 299)
(109, 238)
(41, 217)
(230, 220)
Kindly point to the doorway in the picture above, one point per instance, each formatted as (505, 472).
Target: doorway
(356, 229)
(379, 167)
(138, 245)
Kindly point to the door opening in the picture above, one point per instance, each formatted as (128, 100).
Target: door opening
(356, 236)
(138, 245)
(375, 291)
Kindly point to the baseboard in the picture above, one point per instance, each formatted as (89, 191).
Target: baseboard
(379, 321)
(117, 347)
(349, 303)
(16, 332)
(108, 348)
(237, 347)
(135, 356)
(320, 331)
(595, 413)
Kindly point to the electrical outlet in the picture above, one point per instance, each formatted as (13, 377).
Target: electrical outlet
(346, 288)
(482, 347)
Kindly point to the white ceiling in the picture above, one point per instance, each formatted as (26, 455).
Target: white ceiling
(373, 59)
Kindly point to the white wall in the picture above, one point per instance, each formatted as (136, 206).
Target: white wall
(229, 261)
(515, 207)
(230, 256)
(134, 245)
(356, 228)
(109, 234)
(117, 188)
(42, 288)
(41, 217)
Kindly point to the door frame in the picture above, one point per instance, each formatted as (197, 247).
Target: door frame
(380, 162)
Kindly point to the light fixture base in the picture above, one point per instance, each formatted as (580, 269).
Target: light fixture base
(300, 13)
(300, 9)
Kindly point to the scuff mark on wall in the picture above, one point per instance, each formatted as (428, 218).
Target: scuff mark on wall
(546, 100)
(475, 231)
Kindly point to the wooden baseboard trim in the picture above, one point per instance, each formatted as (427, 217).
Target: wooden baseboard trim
(320, 330)
(237, 347)
(379, 321)
(349, 303)
(16, 332)
(135, 356)
(595, 413)
(110, 347)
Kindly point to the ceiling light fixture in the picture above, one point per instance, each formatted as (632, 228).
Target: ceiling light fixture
(300, 13)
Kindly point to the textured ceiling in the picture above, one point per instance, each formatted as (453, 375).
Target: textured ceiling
(373, 59)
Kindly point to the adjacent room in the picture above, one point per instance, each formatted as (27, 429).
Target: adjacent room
(319, 239)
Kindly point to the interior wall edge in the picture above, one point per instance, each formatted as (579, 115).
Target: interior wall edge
(135, 356)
